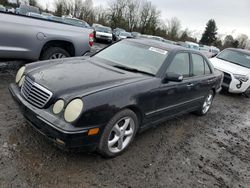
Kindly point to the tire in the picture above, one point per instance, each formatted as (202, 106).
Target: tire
(206, 104)
(114, 140)
(54, 53)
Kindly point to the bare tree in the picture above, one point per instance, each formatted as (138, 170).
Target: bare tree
(116, 12)
(229, 41)
(149, 18)
(132, 14)
(87, 11)
(173, 28)
(101, 15)
(242, 39)
(61, 8)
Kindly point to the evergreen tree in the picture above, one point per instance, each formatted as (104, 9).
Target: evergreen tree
(32, 2)
(4, 2)
(209, 35)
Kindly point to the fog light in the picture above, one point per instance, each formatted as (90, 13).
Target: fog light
(58, 106)
(93, 131)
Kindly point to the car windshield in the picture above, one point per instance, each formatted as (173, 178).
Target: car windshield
(104, 29)
(236, 57)
(133, 55)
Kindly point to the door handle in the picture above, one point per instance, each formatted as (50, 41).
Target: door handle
(190, 85)
(210, 80)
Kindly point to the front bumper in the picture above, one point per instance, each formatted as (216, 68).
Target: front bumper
(233, 85)
(63, 135)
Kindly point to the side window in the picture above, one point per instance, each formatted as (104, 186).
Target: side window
(198, 65)
(180, 65)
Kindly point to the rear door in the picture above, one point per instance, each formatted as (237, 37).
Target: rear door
(202, 76)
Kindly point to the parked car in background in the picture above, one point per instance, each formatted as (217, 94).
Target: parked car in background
(214, 50)
(136, 34)
(17, 10)
(2, 8)
(170, 42)
(157, 38)
(10, 9)
(192, 45)
(35, 15)
(24, 9)
(47, 14)
(94, 25)
(183, 44)
(103, 33)
(205, 50)
(24, 37)
(235, 64)
(55, 18)
(100, 103)
(76, 22)
(209, 51)
(123, 35)
(117, 31)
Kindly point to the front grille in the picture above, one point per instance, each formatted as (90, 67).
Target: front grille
(227, 78)
(35, 94)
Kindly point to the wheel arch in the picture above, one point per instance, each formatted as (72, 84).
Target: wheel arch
(66, 45)
(137, 111)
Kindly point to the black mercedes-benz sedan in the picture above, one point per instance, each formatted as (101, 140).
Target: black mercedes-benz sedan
(101, 102)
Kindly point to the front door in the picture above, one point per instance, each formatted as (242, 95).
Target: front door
(175, 97)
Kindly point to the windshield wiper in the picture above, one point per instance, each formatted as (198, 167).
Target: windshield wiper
(132, 69)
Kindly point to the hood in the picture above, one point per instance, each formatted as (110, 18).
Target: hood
(228, 67)
(81, 77)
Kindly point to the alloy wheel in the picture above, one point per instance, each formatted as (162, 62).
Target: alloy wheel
(121, 135)
(57, 56)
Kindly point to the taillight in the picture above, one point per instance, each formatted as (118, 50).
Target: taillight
(91, 39)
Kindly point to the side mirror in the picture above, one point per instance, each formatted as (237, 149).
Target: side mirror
(170, 76)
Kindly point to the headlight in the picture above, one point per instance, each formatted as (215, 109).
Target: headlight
(58, 106)
(21, 81)
(19, 74)
(240, 77)
(73, 110)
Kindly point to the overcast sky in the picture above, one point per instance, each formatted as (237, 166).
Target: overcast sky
(231, 16)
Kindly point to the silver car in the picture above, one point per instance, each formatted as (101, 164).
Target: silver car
(24, 37)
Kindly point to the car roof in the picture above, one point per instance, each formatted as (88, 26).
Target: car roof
(240, 50)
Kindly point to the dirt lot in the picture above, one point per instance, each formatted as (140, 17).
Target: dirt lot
(190, 151)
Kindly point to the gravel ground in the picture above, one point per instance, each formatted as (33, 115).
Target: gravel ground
(189, 151)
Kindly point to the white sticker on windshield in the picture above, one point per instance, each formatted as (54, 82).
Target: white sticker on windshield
(158, 50)
(248, 57)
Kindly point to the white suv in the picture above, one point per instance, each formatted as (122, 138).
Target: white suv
(235, 63)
